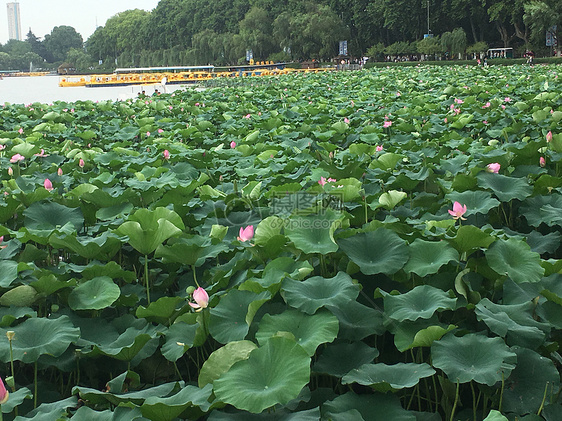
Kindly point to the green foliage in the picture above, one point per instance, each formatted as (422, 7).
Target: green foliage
(358, 298)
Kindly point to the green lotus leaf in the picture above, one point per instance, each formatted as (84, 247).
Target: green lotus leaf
(390, 199)
(308, 330)
(371, 407)
(473, 357)
(380, 251)
(281, 414)
(231, 318)
(311, 294)
(128, 344)
(541, 244)
(419, 303)
(11, 314)
(495, 416)
(313, 234)
(514, 322)
(95, 294)
(526, 386)
(103, 247)
(386, 161)
(273, 374)
(179, 338)
(8, 272)
(515, 259)
(357, 321)
(476, 201)
(95, 396)
(16, 398)
(338, 359)
(383, 377)
(470, 238)
(427, 257)
(220, 361)
(49, 216)
(420, 333)
(543, 209)
(51, 411)
(20, 296)
(147, 229)
(169, 408)
(504, 187)
(36, 337)
(267, 229)
(161, 310)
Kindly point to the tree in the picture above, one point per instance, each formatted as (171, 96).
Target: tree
(256, 32)
(542, 16)
(82, 61)
(17, 48)
(61, 40)
(454, 42)
(37, 46)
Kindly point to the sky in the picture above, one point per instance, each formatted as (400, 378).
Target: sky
(43, 15)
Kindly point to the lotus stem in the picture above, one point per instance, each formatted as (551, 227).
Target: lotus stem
(474, 404)
(501, 393)
(146, 278)
(455, 403)
(35, 385)
(194, 275)
(543, 399)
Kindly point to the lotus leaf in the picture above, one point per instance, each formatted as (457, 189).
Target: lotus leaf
(95, 294)
(473, 357)
(309, 331)
(36, 337)
(311, 294)
(273, 374)
(383, 377)
(516, 260)
(379, 251)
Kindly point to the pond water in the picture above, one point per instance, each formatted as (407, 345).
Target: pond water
(45, 89)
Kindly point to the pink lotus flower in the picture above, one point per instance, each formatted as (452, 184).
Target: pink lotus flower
(323, 180)
(201, 299)
(166, 154)
(160, 130)
(59, 171)
(542, 161)
(20, 131)
(10, 171)
(387, 124)
(549, 136)
(42, 154)
(487, 105)
(246, 234)
(1, 241)
(247, 116)
(507, 99)
(48, 185)
(4, 394)
(232, 144)
(493, 167)
(147, 134)
(81, 163)
(16, 158)
(458, 211)
(379, 148)
(346, 120)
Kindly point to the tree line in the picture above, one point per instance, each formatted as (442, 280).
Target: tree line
(184, 32)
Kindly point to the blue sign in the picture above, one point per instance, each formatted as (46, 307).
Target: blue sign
(343, 48)
(551, 37)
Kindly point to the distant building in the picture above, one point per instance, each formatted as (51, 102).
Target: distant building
(14, 21)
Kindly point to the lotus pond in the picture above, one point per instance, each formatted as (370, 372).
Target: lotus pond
(376, 245)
